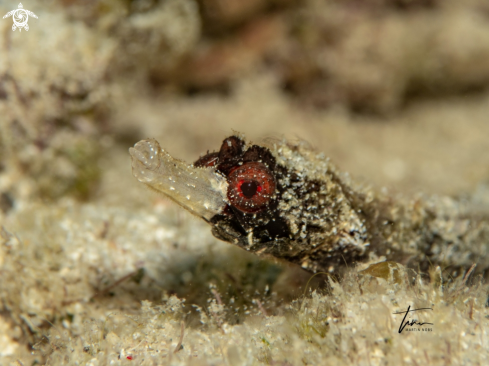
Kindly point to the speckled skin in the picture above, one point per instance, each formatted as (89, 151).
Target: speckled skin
(333, 223)
(323, 221)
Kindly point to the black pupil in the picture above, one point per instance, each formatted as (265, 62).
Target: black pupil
(249, 188)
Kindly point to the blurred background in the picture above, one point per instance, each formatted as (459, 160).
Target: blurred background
(394, 91)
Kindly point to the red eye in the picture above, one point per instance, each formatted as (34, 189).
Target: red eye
(251, 186)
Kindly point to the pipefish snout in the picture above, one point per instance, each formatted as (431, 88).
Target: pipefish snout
(286, 201)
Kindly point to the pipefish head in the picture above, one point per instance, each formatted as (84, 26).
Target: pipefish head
(280, 200)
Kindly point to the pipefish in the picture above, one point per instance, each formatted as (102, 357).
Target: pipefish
(284, 200)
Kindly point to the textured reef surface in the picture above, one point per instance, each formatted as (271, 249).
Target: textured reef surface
(95, 269)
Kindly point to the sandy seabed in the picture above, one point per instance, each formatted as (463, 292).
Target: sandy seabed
(95, 269)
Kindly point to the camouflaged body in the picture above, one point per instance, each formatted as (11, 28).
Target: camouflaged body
(317, 217)
(333, 222)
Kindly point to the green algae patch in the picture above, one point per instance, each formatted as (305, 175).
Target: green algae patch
(388, 270)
